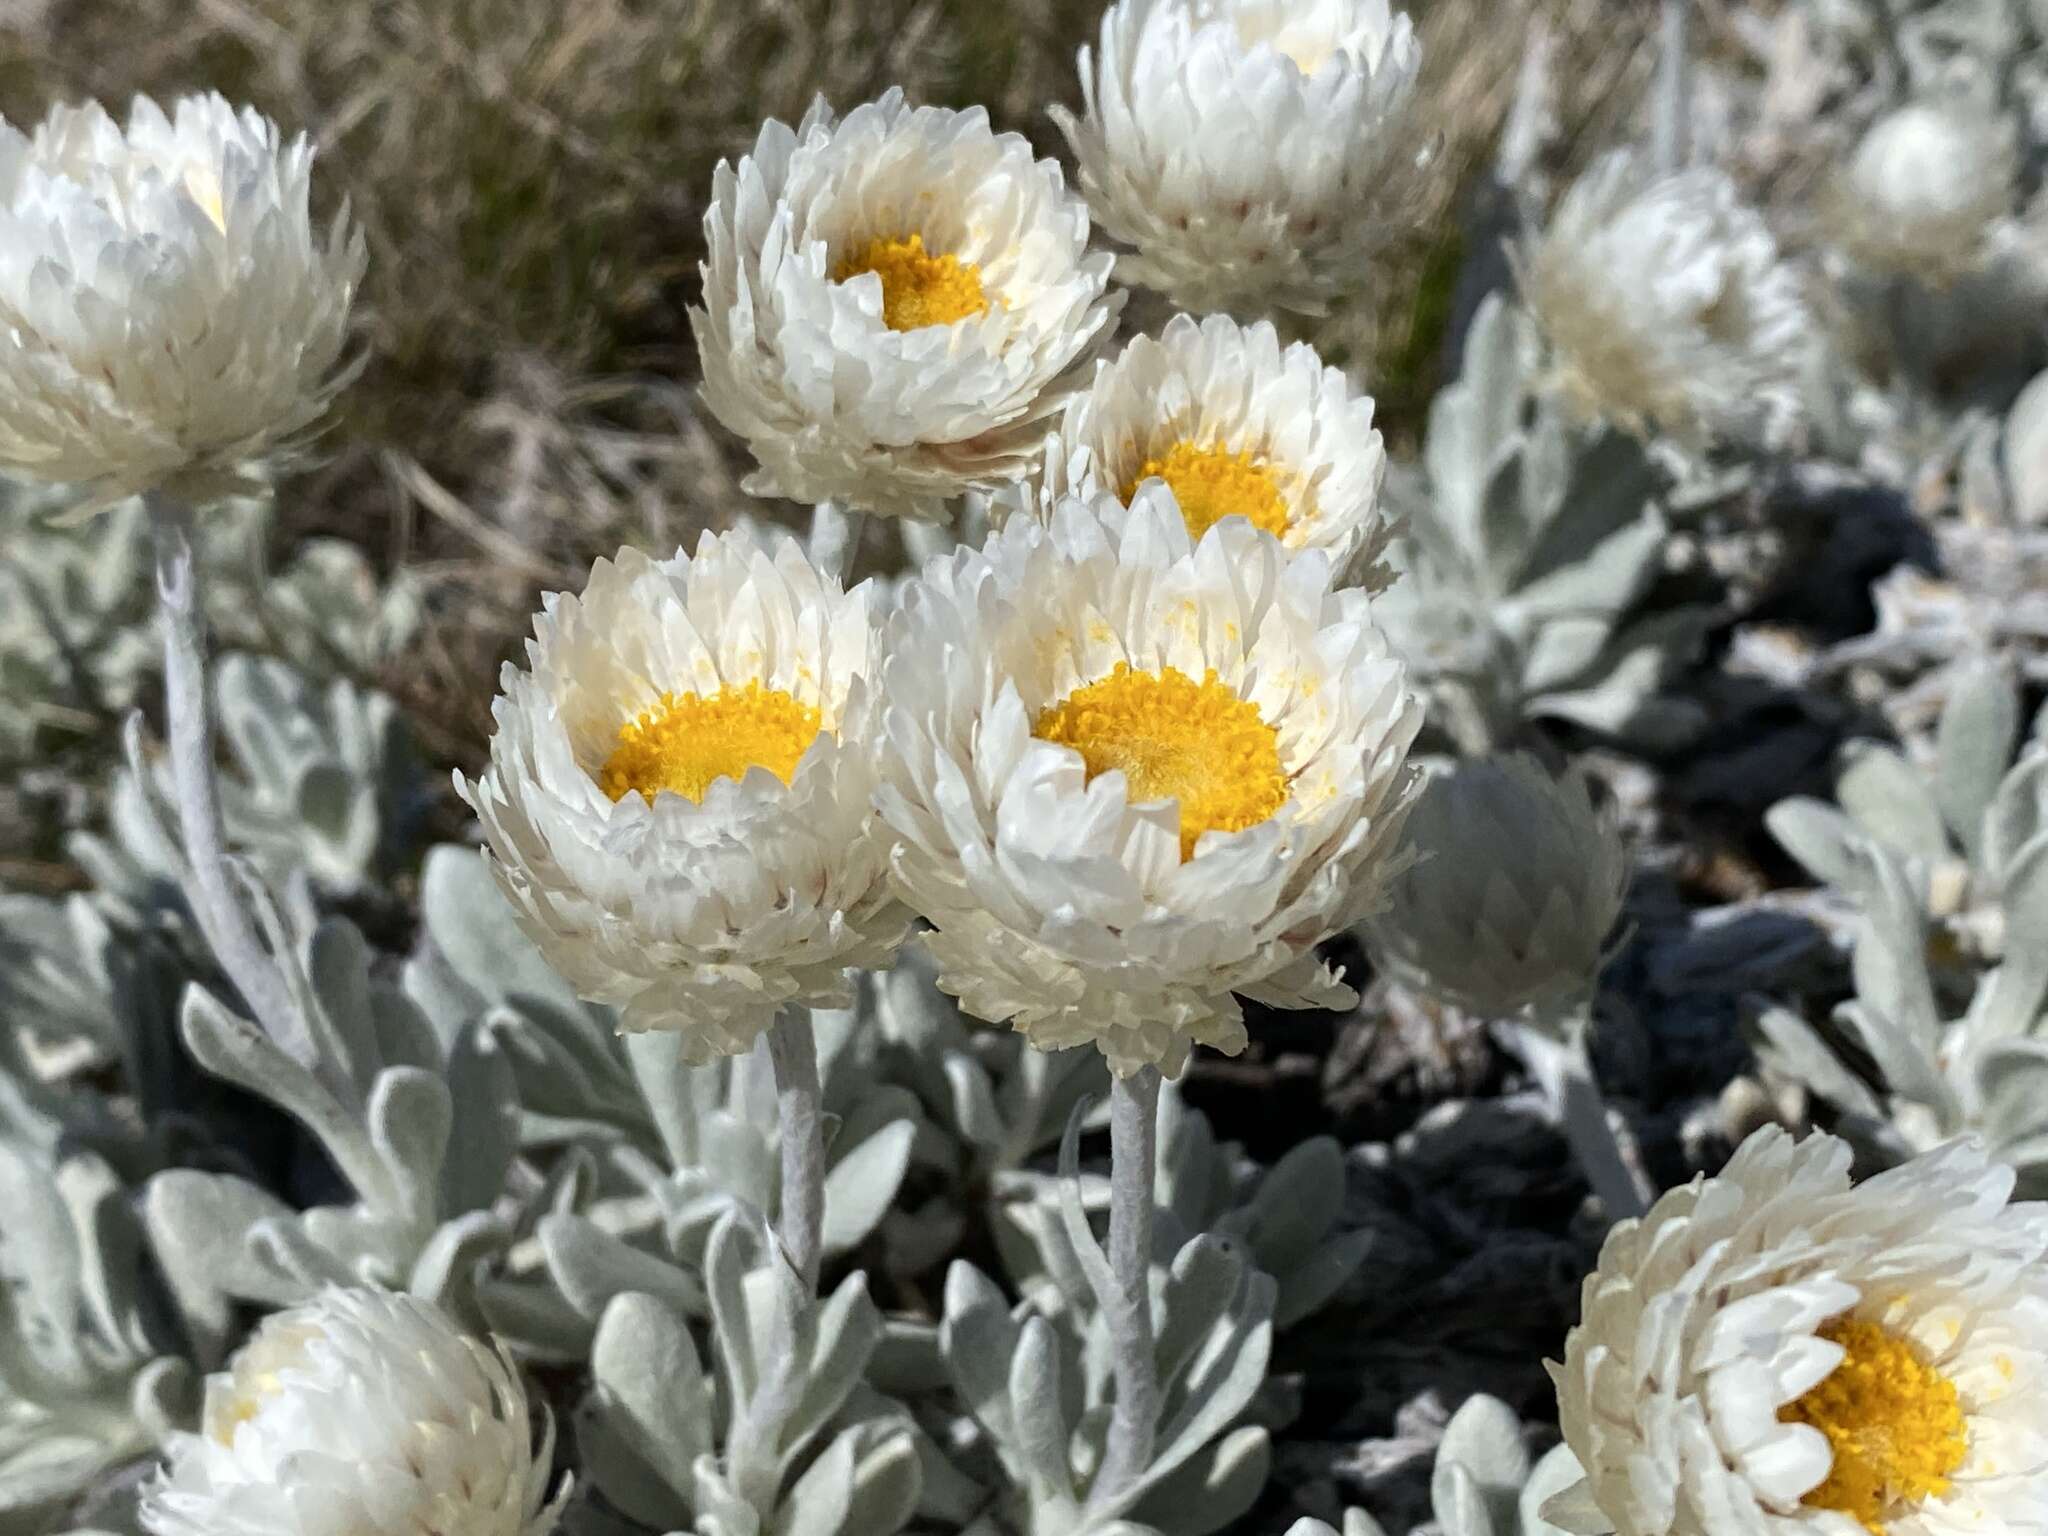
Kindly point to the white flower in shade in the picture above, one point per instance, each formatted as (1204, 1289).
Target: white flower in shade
(1925, 189)
(1135, 774)
(1771, 1352)
(895, 305)
(168, 311)
(1666, 305)
(678, 799)
(1236, 426)
(1515, 889)
(1236, 146)
(362, 1413)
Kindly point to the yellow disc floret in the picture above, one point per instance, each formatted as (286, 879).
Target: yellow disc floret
(918, 288)
(686, 742)
(1175, 739)
(1213, 483)
(1894, 1422)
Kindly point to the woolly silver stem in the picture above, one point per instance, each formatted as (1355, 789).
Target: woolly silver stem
(1558, 1059)
(1133, 1166)
(1672, 112)
(835, 539)
(793, 1047)
(188, 726)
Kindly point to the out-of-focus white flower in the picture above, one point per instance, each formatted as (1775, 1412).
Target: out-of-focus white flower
(168, 311)
(1135, 774)
(678, 799)
(1516, 887)
(1772, 1352)
(1925, 189)
(362, 1413)
(1236, 427)
(895, 304)
(1236, 146)
(1667, 306)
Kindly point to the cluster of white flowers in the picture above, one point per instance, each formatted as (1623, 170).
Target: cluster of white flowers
(168, 309)
(893, 302)
(1775, 1352)
(1121, 768)
(1235, 146)
(677, 804)
(1924, 190)
(1668, 306)
(361, 1413)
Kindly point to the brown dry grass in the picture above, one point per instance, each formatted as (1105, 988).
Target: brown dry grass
(530, 175)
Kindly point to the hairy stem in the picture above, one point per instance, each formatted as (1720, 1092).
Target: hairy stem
(1671, 122)
(1561, 1065)
(793, 1047)
(1134, 1156)
(835, 539)
(210, 883)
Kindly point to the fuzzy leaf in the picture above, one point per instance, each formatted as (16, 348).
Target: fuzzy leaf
(1979, 726)
(863, 1184)
(1885, 796)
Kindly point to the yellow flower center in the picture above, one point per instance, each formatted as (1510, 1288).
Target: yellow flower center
(686, 742)
(918, 288)
(1175, 739)
(1213, 483)
(1893, 1421)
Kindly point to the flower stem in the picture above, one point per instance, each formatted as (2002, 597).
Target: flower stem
(1561, 1065)
(1671, 111)
(1134, 1155)
(793, 1048)
(835, 539)
(209, 882)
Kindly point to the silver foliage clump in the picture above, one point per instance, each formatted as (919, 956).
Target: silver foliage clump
(1529, 543)
(93, 1372)
(1514, 891)
(1484, 1482)
(1948, 870)
(1963, 827)
(778, 1435)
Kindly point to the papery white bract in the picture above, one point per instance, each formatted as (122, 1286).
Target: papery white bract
(361, 1413)
(1771, 1352)
(168, 310)
(724, 861)
(1924, 190)
(1236, 146)
(895, 304)
(1046, 692)
(1514, 891)
(1667, 306)
(1236, 425)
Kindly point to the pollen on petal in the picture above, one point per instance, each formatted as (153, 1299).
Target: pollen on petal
(686, 742)
(1893, 1421)
(1175, 739)
(1213, 482)
(918, 288)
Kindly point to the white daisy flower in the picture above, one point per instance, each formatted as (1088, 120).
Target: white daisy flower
(1514, 893)
(895, 305)
(677, 803)
(1667, 306)
(362, 1413)
(1236, 145)
(1772, 1352)
(1135, 774)
(1925, 189)
(168, 310)
(1235, 426)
